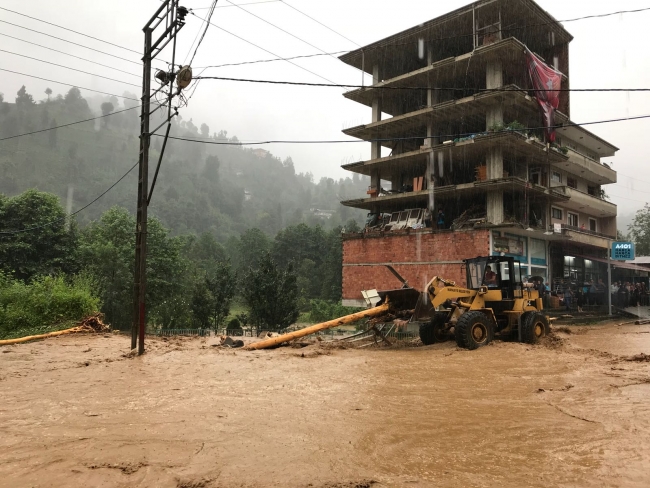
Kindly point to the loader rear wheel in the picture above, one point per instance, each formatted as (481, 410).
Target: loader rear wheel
(474, 330)
(434, 330)
(534, 327)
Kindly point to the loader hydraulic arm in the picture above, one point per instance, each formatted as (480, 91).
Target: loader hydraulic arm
(441, 290)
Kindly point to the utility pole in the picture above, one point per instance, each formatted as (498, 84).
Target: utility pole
(173, 17)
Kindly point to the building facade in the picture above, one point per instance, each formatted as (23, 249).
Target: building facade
(460, 165)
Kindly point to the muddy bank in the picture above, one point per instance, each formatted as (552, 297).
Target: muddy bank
(79, 412)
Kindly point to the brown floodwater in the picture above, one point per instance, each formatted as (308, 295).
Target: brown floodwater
(575, 411)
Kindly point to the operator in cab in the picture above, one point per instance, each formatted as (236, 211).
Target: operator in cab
(490, 276)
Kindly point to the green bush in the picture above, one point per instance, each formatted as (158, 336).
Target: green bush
(234, 324)
(45, 301)
(322, 310)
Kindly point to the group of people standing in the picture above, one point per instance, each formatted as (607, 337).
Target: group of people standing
(629, 294)
(623, 294)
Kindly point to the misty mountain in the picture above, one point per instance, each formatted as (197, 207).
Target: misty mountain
(216, 185)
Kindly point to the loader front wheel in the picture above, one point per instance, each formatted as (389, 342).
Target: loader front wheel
(534, 327)
(474, 330)
(434, 330)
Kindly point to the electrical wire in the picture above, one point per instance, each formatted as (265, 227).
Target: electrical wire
(481, 90)
(449, 136)
(319, 22)
(280, 29)
(249, 3)
(71, 30)
(68, 54)
(68, 67)
(73, 43)
(68, 125)
(207, 24)
(70, 85)
(52, 222)
(271, 60)
(367, 48)
(265, 50)
(515, 28)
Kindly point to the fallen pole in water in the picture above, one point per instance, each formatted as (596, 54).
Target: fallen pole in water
(348, 319)
(74, 330)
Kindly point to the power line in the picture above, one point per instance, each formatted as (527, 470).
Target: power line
(68, 54)
(73, 43)
(67, 125)
(68, 67)
(52, 222)
(409, 43)
(513, 28)
(272, 60)
(504, 89)
(226, 6)
(279, 28)
(207, 24)
(318, 22)
(263, 49)
(70, 85)
(630, 199)
(71, 30)
(257, 143)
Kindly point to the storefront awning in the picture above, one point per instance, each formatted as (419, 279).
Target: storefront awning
(615, 264)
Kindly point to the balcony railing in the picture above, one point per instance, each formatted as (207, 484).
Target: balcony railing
(586, 231)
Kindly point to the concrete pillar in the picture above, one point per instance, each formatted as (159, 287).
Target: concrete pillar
(494, 170)
(375, 181)
(494, 79)
(495, 207)
(375, 147)
(494, 74)
(396, 182)
(494, 157)
(431, 182)
(494, 163)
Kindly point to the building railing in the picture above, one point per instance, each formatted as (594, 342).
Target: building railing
(586, 231)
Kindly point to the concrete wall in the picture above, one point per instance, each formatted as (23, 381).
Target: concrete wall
(417, 256)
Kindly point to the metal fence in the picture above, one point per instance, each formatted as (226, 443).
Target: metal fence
(182, 332)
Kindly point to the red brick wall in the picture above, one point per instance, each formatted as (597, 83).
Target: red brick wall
(435, 251)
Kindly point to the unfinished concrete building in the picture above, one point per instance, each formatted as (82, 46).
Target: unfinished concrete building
(456, 127)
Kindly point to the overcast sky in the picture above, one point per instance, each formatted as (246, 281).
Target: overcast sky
(606, 53)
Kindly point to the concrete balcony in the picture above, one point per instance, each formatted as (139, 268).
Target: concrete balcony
(477, 189)
(585, 203)
(587, 237)
(587, 168)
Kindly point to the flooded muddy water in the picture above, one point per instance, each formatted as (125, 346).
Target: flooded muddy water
(573, 412)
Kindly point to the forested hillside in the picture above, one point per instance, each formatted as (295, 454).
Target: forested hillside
(221, 189)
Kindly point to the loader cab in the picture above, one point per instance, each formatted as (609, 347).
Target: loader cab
(497, 273)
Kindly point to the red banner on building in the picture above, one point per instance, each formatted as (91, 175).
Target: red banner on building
(546, 82)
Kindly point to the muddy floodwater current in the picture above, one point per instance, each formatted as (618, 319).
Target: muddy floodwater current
(575, 411)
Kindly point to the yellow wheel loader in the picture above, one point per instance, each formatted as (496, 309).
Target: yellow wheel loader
(495, 302)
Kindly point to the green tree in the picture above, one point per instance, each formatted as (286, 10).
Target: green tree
(107, 251)
(107, 108)
(221, 286)
(201, 305)
(52, 135)
(252, 245)
(40, 240)
(271, 294)
(640, 231)
(24, 99)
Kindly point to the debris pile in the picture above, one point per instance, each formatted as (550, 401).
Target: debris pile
(470, 217)
(94, 323)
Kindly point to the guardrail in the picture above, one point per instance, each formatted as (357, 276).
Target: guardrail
(182, 332)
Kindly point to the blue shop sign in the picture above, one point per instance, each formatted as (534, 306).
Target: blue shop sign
(623, 251)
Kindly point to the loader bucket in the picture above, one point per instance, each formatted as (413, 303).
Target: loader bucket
(402, 299)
